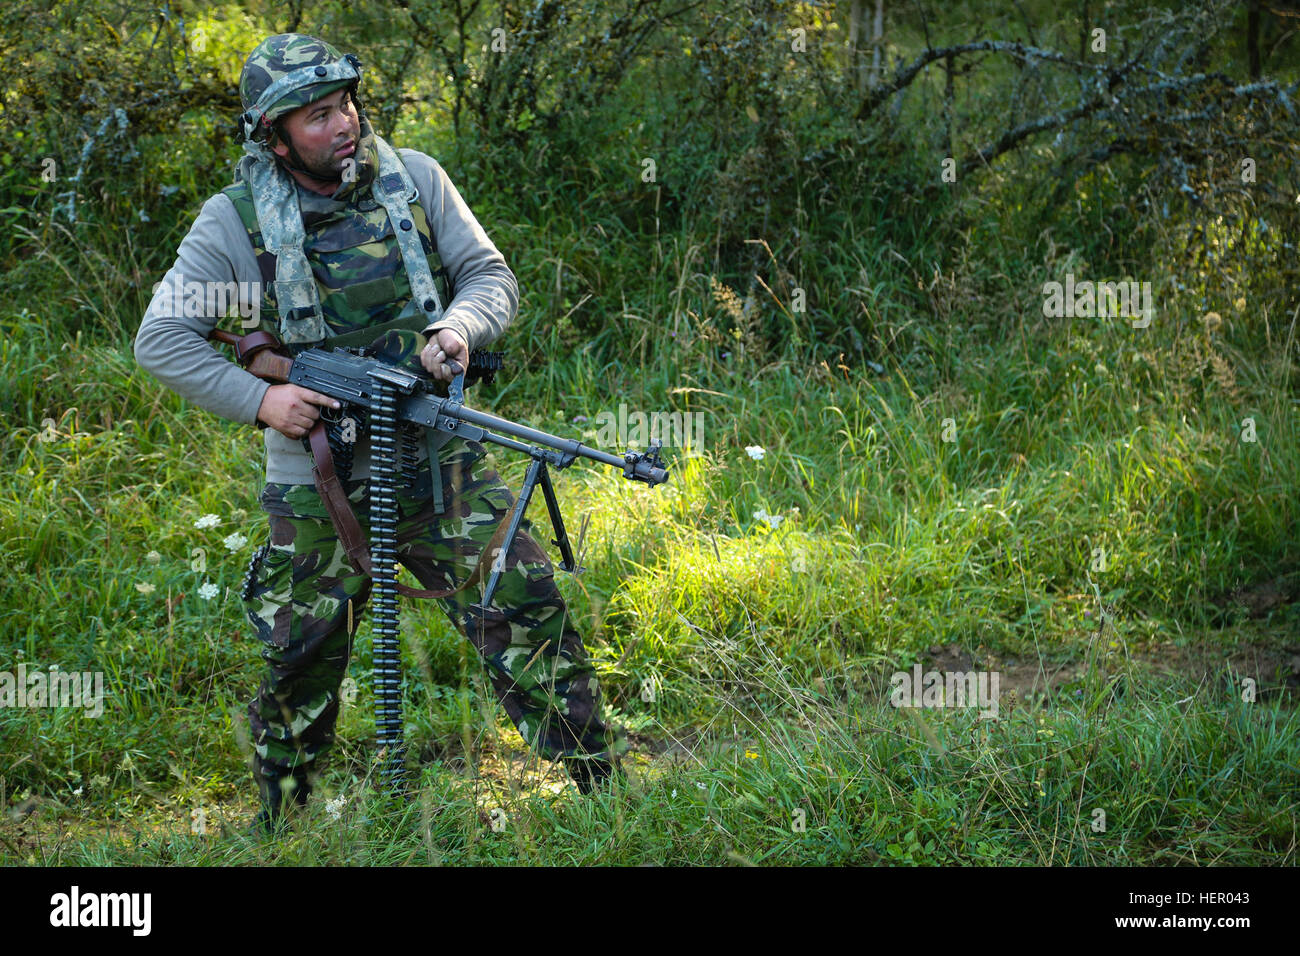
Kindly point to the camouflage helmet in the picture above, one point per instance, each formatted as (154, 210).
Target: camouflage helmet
(287, 71)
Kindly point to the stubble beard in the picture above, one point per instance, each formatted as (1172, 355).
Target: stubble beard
(324, 166)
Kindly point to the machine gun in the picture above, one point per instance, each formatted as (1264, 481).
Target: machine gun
(389, 398)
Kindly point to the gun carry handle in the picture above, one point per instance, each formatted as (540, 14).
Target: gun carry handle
(456, 390)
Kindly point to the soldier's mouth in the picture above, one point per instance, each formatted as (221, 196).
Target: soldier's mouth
(346, 150)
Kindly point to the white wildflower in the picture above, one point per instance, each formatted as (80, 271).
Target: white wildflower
(208, 591)
(335, 807)
(207, 521)
(773, 521)
(755, 452)
(153, 557)
(234, 542)
(144, 587)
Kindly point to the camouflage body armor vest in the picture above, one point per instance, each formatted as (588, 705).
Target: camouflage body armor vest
(356, 265)
(349, 277)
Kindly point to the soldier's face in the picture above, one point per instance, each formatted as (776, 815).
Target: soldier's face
(324, 134)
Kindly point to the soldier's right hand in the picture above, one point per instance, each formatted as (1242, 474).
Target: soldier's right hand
(292, 410)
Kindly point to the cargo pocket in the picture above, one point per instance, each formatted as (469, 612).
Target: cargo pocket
(457, 462)
(268, 588)
(296, 501)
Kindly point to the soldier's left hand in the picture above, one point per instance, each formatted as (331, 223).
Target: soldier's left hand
(445, 346)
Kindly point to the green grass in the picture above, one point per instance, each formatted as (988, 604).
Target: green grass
(1120, 773)
(706, 625)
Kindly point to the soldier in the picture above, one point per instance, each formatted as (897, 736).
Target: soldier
(343, 234)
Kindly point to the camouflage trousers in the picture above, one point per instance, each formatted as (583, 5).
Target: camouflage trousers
(302, 587)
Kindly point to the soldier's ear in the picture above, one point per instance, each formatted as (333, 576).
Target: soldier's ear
(278, 141)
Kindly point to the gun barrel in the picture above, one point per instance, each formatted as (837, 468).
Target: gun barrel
(427, 409)
(568, 446)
